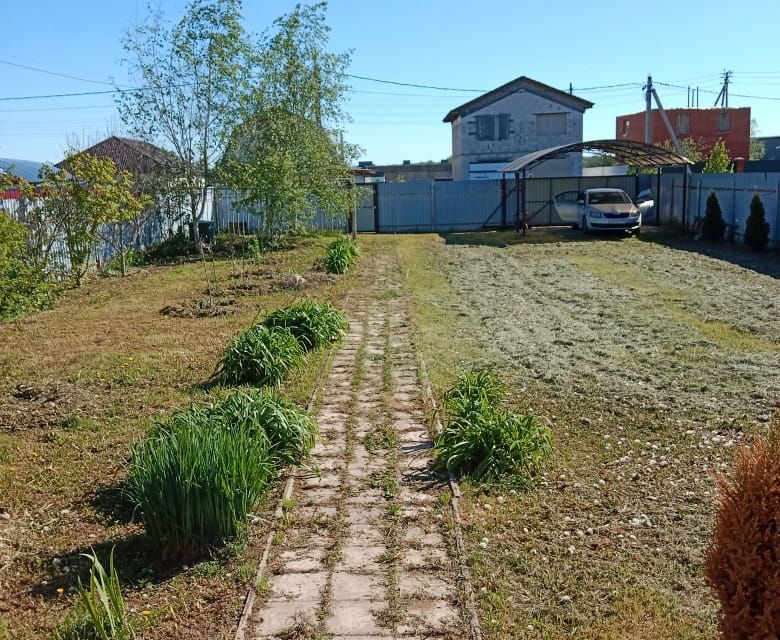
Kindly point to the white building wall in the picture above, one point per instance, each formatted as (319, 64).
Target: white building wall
(523, 107)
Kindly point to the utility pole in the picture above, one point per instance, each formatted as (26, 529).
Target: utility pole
(648, 109)
(723, 96)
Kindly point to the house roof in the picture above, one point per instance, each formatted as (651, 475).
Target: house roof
(136, 156)
(519, 84)
(28, 170)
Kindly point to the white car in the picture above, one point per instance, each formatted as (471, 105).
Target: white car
(603, 209)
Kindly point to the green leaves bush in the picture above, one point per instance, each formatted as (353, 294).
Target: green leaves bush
(23, 287)
(485, 441)
(260, 356)
(290, 431)
(714, 226)
(314, 324)
(195, 481)
(196, 477)
(341, 255)
(756, 227)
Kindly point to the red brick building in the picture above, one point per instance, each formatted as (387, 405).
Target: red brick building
(707, 125)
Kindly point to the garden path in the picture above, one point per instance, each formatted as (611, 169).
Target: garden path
(364, 549)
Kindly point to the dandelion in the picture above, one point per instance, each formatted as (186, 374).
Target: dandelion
(60, 590)
(146, 612)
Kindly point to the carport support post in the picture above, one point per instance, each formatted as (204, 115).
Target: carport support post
(503, 201)
(517, 201)
(525, 219)
(685, 200)
(657, 204)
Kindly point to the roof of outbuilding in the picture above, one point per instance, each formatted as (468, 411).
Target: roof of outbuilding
(136, 156)
(635, 154)
(522, 83)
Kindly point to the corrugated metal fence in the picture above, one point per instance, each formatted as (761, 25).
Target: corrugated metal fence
(473, 205)
(734, 191)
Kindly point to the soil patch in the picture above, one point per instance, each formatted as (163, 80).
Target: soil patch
(202, 309)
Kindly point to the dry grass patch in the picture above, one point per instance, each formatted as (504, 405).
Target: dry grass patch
(89, 375)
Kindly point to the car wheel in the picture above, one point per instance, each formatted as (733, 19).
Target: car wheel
(637, 232)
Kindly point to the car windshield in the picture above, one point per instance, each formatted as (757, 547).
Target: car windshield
(608, 197)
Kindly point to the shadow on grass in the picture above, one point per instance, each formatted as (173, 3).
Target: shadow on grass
(765, 262)
(136, 559)
(537, 235)
(114, 504)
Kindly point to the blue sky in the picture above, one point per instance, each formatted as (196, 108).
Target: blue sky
(467, 45)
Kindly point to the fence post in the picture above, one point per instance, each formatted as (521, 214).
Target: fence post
(777, 215)
(433, 206)
(375, 196)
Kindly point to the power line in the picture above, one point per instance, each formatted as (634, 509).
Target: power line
(54, 73)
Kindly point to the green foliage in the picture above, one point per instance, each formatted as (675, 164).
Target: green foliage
(101, 614)
(23, 287)
(714, 226)
(314, 324)
(288, 155)
(756, 227)
(174, 246)
(195, 77)
(485, 441)
(260, 356)
(718, 160)
(290, 431)
(341, 255)
(195, 481)
(757, 147)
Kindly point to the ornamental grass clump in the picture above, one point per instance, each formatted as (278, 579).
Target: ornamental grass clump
(314, 324)
(742, 564)
(290, 431)
(103, 603)
(195, 481)
(341, 255)
(261, 356)
(485, 441)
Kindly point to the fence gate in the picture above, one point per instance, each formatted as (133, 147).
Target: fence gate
(366, 220)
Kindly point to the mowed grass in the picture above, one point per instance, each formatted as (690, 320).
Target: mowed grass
(607, 545)
(78, 385)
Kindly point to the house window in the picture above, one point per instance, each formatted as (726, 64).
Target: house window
(724, 122)
(626, 127)
(503, 126)
(683, 126)
(550, 124)
(486, 128)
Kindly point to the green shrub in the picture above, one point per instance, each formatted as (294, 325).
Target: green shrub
(714, 226)
(290, 431)
(195, 482)
(177, 245)
(341, 255)
(485, 441)
(756, 227)
(260, 356)
(314, 324)
(23, 287)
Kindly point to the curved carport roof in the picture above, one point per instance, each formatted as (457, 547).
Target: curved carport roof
(635, 154)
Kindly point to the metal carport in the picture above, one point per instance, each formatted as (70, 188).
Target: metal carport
(634, 154)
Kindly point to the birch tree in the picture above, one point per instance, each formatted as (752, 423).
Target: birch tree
(193, 78)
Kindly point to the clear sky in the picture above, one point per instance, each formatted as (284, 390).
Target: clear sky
(465, 45)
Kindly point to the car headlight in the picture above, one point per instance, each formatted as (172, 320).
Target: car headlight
(635, 214)
(594, 214)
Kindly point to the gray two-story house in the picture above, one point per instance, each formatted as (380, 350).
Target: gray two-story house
(517, 118)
